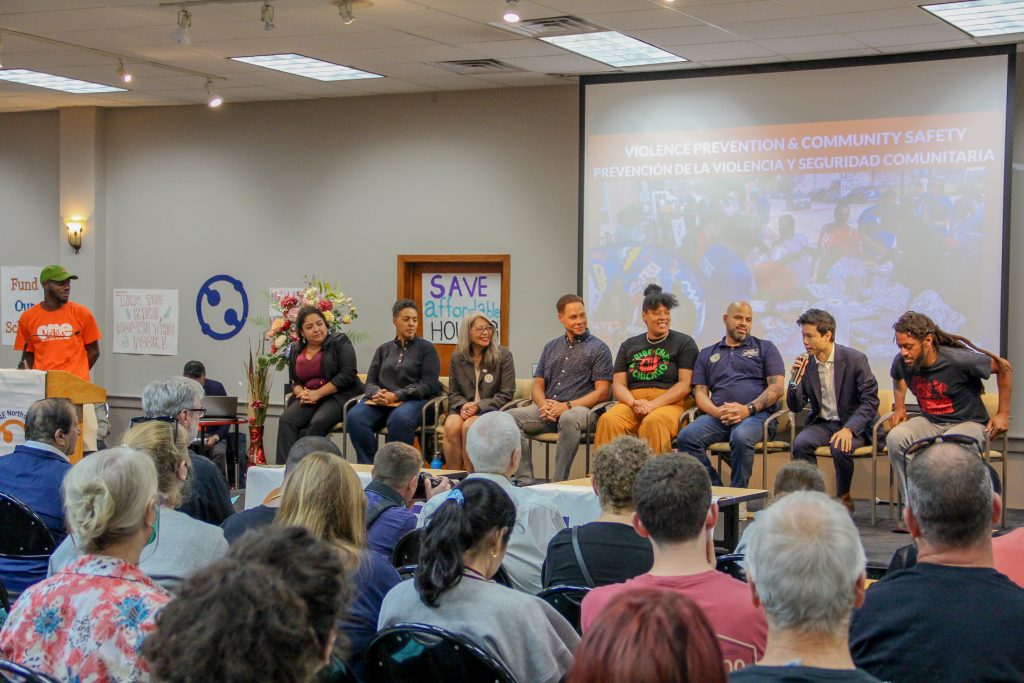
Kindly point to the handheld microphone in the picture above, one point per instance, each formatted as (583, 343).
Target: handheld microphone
(799, 368)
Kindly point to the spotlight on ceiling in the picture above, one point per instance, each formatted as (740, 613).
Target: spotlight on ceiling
(180, 35)
(267, 16)
(123, 74)
(213, 100)
(511, 15)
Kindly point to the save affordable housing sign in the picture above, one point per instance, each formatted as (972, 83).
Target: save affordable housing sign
(20, 292)
(449, 297)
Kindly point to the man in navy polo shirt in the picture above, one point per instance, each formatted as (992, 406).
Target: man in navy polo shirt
(737, 383)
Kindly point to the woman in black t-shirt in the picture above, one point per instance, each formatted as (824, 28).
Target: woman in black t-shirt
(652, 378)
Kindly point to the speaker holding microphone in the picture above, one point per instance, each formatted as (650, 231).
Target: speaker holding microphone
(799, 368)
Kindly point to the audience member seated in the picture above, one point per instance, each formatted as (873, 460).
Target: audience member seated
(88, 622)
(795, 475)
(182, 544)
(492, 445)
(674, 509)
(322, 372)
(264, 513)
(247, 618)
(609, 549)
(215, 441)
(396, 474)
(181, 399)
(481, 378)
(649, 636)
(652, 378)
(403, 376)
(324, 495)
(1008, 553)
(463, 547)
(952, 616)
(806, 568)
(33, 473)
(573, 375)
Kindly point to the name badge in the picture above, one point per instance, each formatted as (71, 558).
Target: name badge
(488, 378)
(715, 357)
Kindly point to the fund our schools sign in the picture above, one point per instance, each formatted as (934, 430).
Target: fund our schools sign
(449, 297)
(21, 291)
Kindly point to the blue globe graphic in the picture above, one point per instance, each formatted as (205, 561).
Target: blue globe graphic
(222, 307)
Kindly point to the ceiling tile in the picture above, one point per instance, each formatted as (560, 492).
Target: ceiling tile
(641, 19)
(777, 28)
(795, 46)
(879, 19)
(754, 10)
(685, 35)
(910, 35)
(732, 50)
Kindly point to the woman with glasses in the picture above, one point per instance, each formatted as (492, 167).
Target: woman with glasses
(481, 378)
(88, 621)
(182, 545)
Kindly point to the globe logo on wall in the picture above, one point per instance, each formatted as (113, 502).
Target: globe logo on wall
(222, 307)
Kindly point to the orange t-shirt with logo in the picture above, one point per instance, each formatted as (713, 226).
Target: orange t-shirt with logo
(58, 338)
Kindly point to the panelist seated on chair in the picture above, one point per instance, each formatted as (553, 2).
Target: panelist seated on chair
(737, 384)
(843, 395)
(652, 378)
(573, 375)
(945, 372)
(464, 544)
(322, 372)
(403, 376)
(33, 473)
(481, 378)
(215, 444)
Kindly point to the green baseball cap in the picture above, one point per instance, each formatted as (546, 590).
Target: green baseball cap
(56, 274)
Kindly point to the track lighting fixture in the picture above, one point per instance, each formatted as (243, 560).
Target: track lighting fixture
(267, 16)
(213, 100)
(180, 35)
(123, 74)
(511, 15)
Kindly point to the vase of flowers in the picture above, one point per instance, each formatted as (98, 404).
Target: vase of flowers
(338, 310)
(257, 375)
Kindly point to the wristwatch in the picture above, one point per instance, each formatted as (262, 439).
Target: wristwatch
(568, 404)
(751, 408)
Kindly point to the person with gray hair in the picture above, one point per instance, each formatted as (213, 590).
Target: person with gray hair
(493, 447)
(952, 616)
(181, 399)
(33, 473)
(806, 568)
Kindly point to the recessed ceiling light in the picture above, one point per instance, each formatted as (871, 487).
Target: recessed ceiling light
(42, 80)
(982, 17)
(614, 49)
(307, 66)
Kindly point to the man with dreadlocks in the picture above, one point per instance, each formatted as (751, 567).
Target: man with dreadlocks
(945, 373)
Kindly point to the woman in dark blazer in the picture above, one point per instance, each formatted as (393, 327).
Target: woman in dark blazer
(322, 371)
(481, 378)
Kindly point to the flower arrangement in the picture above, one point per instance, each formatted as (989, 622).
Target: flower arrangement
(337, 308)
(257, 375)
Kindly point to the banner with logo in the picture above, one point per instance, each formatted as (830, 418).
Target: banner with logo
(19, 389)
(19, 291)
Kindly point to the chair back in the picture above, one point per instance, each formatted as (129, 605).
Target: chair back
(11, 672)
(885, 401)
(407, 550)
(524, 388)
(22, 531)
(730, 564)
(567, 601)
(336, 671)
(417, 653)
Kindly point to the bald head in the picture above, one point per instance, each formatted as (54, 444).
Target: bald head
(738, 318)
(949, 494)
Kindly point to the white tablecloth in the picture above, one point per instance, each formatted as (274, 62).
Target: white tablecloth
(259, 481)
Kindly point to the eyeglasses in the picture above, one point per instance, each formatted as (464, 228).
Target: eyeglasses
(959, 439)
(201, 411)
(489, 329)
(149, 418)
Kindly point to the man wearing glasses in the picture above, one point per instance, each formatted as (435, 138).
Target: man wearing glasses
(179, 399)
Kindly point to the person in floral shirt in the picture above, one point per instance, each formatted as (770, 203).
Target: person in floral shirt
(87, 622)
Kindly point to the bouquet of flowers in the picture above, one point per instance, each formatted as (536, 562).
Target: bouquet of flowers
(257, 375)
(337, 308)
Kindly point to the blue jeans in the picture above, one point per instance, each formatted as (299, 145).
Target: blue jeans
(364, 420)
(706, 430)
(818, 434)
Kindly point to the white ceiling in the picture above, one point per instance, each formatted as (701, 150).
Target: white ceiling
(401, 39)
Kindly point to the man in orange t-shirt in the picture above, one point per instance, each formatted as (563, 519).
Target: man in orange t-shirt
(58, 334)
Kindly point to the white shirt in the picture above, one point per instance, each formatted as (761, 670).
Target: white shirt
(827, 377)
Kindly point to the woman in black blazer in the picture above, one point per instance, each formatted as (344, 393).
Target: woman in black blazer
(481, 378)
(322, 371)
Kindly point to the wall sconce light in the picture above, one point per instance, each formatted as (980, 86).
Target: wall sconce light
(75, 227)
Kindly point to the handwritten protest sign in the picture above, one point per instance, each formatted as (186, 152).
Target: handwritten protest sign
(146, 321)
(20, 292)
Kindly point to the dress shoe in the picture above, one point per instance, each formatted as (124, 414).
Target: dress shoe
(847, 502)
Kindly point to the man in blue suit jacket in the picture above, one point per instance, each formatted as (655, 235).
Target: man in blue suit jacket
(843, 394)
(33, 473)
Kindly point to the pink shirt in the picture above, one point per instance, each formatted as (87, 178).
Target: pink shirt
(1008, 552)
(740, 627)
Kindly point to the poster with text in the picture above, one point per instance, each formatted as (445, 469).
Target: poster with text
(449, 297)
(146, 321)
(21, 291)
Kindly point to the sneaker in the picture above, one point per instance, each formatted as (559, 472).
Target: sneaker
(847, 502)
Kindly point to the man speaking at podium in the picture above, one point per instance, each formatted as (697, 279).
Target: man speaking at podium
(59, 334)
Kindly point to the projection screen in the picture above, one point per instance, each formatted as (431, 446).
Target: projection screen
(865, 189)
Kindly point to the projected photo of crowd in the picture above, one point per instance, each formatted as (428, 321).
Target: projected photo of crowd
(864, 246)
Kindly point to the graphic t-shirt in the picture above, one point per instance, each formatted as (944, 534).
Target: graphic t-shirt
(948, 391)
(655, 366)
(58, 338)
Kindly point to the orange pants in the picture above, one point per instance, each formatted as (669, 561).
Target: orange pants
(659, 427)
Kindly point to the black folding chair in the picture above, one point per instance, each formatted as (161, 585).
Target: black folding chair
(417, 653)
(567, 601)
(11, 672)
(22, 532)
(730, 564)
(407, 550)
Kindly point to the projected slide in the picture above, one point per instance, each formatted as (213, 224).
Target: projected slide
(864, 216)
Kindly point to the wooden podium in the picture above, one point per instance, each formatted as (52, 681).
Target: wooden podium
(61, 384)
